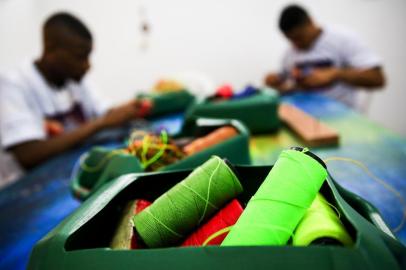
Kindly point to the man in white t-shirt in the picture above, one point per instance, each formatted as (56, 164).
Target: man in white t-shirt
(332, 61)
(46, 106)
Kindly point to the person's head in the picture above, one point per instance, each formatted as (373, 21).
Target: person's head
(298, 27)
(67, 46)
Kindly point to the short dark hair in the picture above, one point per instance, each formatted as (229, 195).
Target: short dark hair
(291, 17)
(64, 19)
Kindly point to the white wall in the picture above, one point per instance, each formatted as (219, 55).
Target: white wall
(233, 41)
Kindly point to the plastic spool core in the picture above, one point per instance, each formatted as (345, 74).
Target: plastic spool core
(310, 154)
(326, 241)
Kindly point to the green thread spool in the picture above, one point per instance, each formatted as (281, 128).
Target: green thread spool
(182, 208)
(321, 222)
(281, 201)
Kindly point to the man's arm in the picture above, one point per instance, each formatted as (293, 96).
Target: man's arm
(31, 153)
(276, 81)
(366, 78)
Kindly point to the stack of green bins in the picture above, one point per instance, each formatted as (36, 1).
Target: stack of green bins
(82, 240)
(110, 166)
(258, 112)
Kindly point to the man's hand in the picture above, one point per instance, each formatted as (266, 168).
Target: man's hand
(279, 83)
(32, 153)
(273, 80)
(121, 114)
(318, 78)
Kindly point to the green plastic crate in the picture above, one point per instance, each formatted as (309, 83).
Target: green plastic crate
(82, 240)
(258, 112)
(171, 102)
(235, 149)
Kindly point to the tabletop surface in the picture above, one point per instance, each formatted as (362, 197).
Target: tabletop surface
(39, 201)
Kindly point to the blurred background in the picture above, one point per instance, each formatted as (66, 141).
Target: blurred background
(219, 41)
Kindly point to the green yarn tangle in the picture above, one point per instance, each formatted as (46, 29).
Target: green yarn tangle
(280, 203)
(187, 204)
(320, 222)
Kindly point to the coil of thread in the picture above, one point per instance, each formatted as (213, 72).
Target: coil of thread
(321, 222)
(176, 213)
(281, 201)
(224, 218)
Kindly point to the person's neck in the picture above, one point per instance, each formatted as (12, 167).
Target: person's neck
(48, 75)
(316, 34)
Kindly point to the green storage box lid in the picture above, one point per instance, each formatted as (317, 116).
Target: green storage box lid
(82, 240)
(171, 102)
(258, 112)
(235, 149)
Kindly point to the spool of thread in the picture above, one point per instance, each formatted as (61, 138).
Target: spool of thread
(124, 236)
(224, 218)
(217, 136)
(281, 201)
(321, 224)
(176, 213)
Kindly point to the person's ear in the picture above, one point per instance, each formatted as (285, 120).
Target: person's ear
(50, 57)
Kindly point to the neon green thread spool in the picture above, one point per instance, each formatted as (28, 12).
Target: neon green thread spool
(182, 208)
(281, 201)
(320, 222)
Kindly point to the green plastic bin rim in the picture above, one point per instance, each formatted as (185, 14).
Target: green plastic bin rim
(162, 94)
(83, 193)
(54, 243)
(266, 93)
(105, 194)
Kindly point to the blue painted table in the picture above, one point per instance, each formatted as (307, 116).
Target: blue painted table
(30, 208)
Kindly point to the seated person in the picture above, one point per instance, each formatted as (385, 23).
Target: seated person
(48, 106)
(327, 59)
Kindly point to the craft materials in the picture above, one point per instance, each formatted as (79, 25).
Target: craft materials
(224, 218)
(124, 236)
(281, 201)
(215, 137)
(176, 213)
(309, 129)
(168, 85)
(224, 91)
(321, 223)
(153, 151)
(144, 106)
(246, 92)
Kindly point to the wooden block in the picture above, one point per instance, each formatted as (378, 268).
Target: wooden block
(308, 128)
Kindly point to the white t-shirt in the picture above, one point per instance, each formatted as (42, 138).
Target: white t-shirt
(10, 170)
(334, 48)
(27, 100)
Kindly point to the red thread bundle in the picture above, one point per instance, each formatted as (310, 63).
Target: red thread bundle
(226, 217)
(139, 205)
